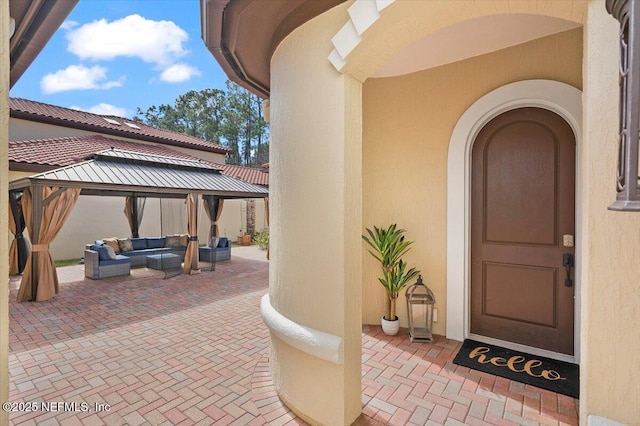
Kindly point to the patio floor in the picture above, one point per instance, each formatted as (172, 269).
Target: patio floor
(193, 350)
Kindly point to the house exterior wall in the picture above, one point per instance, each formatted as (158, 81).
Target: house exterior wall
(407, 126)
(315, 196)
(4, 201)
(610, 288)
(27, 130)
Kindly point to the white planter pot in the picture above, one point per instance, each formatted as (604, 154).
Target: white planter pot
(390, 327)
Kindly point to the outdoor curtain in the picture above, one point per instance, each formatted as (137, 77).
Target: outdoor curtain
(56, 205)
(213, 208)
(266, 217)
(134, 219)
(191, 255)
(19, 249)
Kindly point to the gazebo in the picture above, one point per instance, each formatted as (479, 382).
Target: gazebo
(48, 198)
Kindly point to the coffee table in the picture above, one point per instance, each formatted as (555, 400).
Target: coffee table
(163, 262)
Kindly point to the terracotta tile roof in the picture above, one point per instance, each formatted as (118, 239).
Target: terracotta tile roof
(46, 154)
(58, 152)
(248, 174)
(46, 113)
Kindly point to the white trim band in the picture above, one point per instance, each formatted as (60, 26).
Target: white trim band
(314, 342)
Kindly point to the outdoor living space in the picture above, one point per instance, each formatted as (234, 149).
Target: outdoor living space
(176, 351)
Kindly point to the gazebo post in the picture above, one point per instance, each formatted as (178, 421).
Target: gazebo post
(36, 220)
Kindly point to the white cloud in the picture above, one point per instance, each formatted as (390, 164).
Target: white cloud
(69, 24)
(178, 73)
(157, 42)
(103, 109)
(76, 77)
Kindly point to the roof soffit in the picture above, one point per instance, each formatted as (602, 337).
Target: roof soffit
(243, 34)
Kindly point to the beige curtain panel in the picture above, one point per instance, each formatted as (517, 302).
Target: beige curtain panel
(191, 255)
(56, 206)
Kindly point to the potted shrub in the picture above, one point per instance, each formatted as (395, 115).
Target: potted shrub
(387, 247)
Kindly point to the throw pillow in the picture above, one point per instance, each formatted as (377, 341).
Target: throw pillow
(113, 243)
(103, 253)
(139, 243)
(125, 244)
(214, 242)
(172, 241)
(184, 240)
(110, 251)
(224, 242)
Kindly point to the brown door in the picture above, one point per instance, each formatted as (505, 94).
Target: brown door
(522, 203)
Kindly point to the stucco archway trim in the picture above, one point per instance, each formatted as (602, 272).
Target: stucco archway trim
(555, 96)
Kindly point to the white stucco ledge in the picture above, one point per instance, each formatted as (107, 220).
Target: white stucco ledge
(314, 342)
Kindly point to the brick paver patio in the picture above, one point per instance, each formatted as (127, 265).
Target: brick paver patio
(193, 350)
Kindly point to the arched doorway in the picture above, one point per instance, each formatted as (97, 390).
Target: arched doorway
(522, 230)
(554, 96)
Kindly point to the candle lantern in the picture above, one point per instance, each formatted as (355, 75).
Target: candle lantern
(420, 303)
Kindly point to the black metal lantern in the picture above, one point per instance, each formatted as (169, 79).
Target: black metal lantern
(420, 302)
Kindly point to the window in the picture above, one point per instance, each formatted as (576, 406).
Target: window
(627, 12)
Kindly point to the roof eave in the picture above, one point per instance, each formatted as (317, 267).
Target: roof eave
(216, 21)
(113, 132)
(32, 33)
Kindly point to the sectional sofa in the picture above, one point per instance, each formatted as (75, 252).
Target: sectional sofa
(111, 257)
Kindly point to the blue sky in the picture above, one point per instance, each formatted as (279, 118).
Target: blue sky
(112, 56)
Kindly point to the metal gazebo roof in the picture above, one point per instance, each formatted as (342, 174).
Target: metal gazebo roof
(117, 173)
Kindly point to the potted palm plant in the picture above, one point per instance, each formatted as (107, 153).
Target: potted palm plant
(387, 247)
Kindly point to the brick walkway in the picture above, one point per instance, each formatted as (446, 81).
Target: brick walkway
(193, 350)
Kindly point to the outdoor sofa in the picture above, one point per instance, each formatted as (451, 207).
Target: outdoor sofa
(222, 251)
(128, 252)
(132, 252)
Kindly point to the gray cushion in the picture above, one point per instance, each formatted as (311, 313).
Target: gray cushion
(139, 243)
(111, 251)
(154, 243)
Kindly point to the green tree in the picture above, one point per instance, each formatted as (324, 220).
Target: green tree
(231, 117)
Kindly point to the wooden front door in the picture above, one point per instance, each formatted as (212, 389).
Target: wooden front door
(522, 204)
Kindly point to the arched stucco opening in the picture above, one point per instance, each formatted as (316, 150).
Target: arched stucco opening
(416, 138)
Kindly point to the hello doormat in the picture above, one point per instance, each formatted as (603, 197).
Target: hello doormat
(550, 374)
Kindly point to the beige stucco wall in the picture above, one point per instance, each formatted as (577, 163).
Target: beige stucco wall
(610, 285)
(315, 200)
(407, 125)
(4, 200)
(26, 130)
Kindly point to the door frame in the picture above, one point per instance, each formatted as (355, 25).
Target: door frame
(564, 100)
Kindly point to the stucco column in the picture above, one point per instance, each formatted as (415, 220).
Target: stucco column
(4, 201)
(316, 208)
(610, 348)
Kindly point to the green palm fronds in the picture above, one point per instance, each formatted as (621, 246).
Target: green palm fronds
(387, 247)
